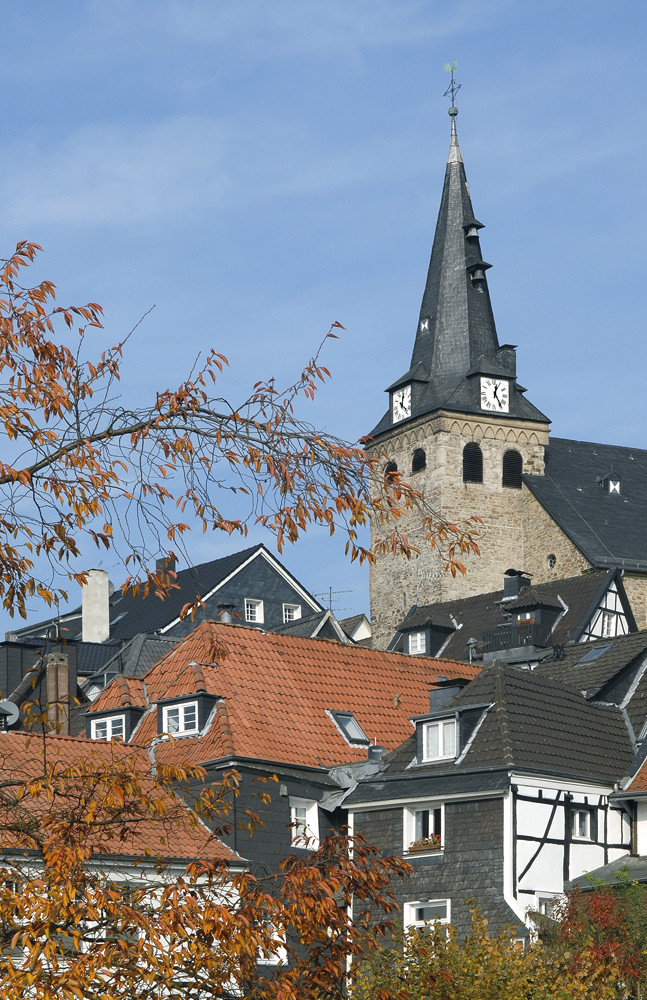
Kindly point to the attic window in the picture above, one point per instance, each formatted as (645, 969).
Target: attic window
(254, 610)
(439, 739)
(595, 654)
(417, 643)
(111, 728)
(291, 612)
(350, 729)
(180, 720)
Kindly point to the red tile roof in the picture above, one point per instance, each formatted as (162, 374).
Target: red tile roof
(639, 781)
(276, 691)
(74, 764)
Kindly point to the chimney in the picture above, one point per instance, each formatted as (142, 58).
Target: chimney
(515, 580)
(226, 613)
(57, 691)
(445, 691)
(165, 565)
(95, 609)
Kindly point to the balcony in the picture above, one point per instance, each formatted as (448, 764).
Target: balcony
(515, 636)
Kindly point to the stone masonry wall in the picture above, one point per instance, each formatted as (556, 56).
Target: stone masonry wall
(397, 583)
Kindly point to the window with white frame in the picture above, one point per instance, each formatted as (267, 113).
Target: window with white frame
(304, 823)
(439, 739)
(254, 610)
(423, 828)
(548, 906)
(417, 643)
(426, 911)
(180, 719)
(277, 953)
(111, 728)
(291, 612)
(581, 824)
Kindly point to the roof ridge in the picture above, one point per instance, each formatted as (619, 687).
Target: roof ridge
(502, 714)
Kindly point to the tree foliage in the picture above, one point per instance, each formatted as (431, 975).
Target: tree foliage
(79, 465)
(432, 963)
(92, 907)
(610, 924)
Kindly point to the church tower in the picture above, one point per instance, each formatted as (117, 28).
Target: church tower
(459, 427)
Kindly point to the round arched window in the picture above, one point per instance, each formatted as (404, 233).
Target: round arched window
(389, 469)
(419, 460)
(472, 463)
(512, 469)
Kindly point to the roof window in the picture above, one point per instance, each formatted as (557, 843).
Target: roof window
(350, 728)
(595, 654)
(439, 739)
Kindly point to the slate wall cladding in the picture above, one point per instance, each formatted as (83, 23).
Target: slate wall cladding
(470, 868)
(396, 584)
(258, 580)
(271, 842)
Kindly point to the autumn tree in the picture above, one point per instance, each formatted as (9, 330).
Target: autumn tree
(112, 889)
(433, 963)
(77, 465)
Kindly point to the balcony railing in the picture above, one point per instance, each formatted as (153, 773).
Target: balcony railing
(512, 636)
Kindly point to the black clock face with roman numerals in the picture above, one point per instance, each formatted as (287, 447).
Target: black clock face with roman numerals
(495, 394)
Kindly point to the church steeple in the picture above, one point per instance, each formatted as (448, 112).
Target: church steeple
(457, 363)
(456, 325)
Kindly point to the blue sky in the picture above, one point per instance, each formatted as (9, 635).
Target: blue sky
(256, 169)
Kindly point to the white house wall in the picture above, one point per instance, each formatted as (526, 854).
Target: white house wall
(547, 854)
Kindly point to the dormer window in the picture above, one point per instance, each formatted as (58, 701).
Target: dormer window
(111, 727)
(439, 739)
(611, 484)
(417, 643)
(291, 612)
(180, 720)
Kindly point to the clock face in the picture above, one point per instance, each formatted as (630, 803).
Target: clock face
(495, 394)
(401, 403)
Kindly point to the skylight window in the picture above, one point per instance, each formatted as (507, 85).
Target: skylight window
(595, 654)
(350, 728)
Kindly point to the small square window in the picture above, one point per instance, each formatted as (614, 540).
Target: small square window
(111, 728)
(254, 611)
(581, 825)
(291, 612)
(181, 719)
(548, 906)
(439, 739)
(417, 643)
(304, 823)
(426, 911)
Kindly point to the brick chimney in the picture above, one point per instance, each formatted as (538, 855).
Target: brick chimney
(95, 609)
(57, 691)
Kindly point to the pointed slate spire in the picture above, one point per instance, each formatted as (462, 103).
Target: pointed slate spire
(456, 325)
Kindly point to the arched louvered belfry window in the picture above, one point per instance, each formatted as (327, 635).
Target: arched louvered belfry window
(389, 469)
(419, 460)
(472, 463)
(512, 469)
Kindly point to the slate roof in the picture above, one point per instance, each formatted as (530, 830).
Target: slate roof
(22, 758)
(634, 865)
(323, 624)
(609, 529)
(593, 675)
(527, 723)
(456, 335)
(131, 614)
(275, 691)
(576, 596)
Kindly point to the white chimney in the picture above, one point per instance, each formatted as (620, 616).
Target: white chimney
(95, 609)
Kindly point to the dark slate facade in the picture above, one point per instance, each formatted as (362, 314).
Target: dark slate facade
(514, 776)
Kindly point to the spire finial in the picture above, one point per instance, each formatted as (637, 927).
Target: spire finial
(453, 87)
(454, 151)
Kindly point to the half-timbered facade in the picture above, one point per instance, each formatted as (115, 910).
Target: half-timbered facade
(501, 796)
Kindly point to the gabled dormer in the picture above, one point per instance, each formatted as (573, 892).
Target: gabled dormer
(186, 715)
(444, 731)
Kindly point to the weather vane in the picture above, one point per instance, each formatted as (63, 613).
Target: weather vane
(453, 86)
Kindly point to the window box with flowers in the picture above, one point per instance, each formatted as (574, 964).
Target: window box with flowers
(425, 844)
